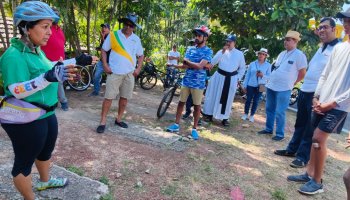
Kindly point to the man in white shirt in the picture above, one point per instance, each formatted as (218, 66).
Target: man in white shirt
(331, 104)
(223, 84)
(290, 68)
(173, 60)
(125, 48)
(300, 144)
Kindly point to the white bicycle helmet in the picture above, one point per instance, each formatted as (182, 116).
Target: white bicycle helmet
(33, 11)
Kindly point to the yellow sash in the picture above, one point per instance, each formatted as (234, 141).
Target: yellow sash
(117, 46)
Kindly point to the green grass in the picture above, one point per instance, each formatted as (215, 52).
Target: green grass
(107, 196)
(76, 170)
(104, 179)
(169, 190)
(279, 194)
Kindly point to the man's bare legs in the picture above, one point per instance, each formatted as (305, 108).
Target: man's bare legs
(121, 108)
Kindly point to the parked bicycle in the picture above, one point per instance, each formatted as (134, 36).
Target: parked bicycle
(168, 97)
(294, 96)
(150, 75)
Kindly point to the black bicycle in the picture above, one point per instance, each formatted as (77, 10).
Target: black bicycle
(168, 97)
(294, 96)
(150, 75)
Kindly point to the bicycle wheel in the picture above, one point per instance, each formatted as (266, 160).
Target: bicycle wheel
(294, 96)
(85, 79)
(148, 81)
(165, 103)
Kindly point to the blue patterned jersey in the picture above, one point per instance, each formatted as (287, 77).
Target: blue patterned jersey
(195, 78)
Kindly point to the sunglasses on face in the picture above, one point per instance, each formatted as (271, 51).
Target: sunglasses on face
(129, 25)
(324, 27)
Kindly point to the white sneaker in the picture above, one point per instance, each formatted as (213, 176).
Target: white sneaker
(244, 117)
(251, 118)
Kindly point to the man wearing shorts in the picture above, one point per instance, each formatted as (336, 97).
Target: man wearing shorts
(125, 46)
(331, 104)
(195, 62)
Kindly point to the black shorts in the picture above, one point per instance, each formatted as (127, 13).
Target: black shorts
(330, 122)
(31, 141)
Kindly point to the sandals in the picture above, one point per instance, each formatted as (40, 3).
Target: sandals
(121, 124)
(52, 183)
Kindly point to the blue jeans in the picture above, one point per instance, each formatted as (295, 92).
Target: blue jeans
(302, 137)
(276, 106)
(97, 76)
(252, 94)
(61, 94)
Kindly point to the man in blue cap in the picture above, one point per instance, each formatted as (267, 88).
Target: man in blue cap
(223, 84)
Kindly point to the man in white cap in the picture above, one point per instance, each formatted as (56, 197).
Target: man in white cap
(125, 48)
(290, 68)
(331, 103)
(300, 144)
(223, 84)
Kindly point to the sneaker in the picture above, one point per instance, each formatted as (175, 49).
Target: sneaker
(303, 178)
(194, 134)
(101, 128)
(244, 117)
(297, 164)
(52, 183)
(277, 138)
(208, 118)
(186, 116)
(225, 122)
(93, 94)
(173, 128)
(311, 187)
(284, 153)
(251, 118)
(64, 106)
(121, 124)
(264, 132)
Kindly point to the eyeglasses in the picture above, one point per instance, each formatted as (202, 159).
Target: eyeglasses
(197, 35)
(325, 27)
(129, 25)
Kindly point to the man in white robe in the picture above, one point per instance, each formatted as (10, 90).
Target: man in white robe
(223, 84)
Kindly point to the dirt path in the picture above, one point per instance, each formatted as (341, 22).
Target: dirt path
(207, 169)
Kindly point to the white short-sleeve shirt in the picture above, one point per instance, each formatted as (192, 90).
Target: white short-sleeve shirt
(288, 65)
(118, 63)
(173, 54)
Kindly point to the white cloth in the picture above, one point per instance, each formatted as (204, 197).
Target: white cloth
(316, 66)
(118, 63)
(250, 77)
(229, 61)
(289, 64)
(334, 83)
(173, 54)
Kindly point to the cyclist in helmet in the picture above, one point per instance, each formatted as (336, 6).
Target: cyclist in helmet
(195, 62)
(28, 75)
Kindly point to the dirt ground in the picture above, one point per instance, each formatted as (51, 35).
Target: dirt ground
(223, 158)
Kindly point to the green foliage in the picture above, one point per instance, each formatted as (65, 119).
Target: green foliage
(108, 196)
(76, 170)
(169, 190)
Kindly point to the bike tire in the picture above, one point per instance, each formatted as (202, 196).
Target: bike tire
(294, 96)
(84, 81)
(148, 81)
(165, 102)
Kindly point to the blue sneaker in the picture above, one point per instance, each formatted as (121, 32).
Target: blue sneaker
(311, 187)
(173, 128)
(302, 178)
(194, 134)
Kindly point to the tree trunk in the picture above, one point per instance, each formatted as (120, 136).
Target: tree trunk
(88, 25)
(74, 29)
(113, 10)
(7, 34)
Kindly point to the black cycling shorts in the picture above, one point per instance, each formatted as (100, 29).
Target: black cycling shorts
(31, 141)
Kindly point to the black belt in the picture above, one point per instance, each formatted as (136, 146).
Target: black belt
(226, 88)
(45, 107)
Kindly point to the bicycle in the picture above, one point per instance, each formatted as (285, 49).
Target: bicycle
(294, 96)
(150, 74)
(84, 80)
(168, 97)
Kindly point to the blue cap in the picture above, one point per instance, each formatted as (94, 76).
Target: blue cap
(231, 38)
